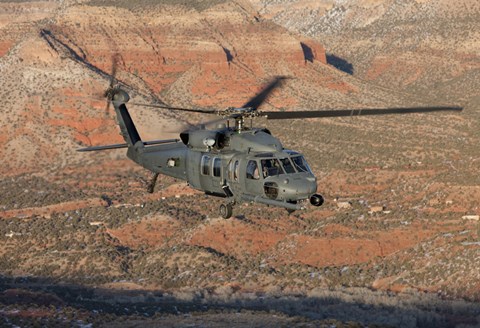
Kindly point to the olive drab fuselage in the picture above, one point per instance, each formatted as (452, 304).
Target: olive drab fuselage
(250, 165)
(238, 164)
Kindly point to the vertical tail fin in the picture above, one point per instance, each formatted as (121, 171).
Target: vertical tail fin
(128, 129)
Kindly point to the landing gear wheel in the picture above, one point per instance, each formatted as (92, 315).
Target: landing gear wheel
(226, 210)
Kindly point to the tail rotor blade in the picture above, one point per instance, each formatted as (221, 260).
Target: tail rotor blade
(113, 72)
(110, 92)
(112, 76)
(107, 108)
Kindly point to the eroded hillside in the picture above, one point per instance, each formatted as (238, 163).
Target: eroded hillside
(80, 232)
(426, 48)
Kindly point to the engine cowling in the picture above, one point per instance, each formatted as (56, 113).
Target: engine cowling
(203, 139)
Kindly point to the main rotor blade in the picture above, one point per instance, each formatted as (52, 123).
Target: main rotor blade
(355, 112)
(258, 99)
(193, 110)
(215, 121)
(107, 107)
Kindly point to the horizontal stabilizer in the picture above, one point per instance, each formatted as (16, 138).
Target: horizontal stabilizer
(124, 145)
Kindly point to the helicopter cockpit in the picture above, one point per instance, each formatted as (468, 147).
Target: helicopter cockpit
(269, 164)
(280, 176)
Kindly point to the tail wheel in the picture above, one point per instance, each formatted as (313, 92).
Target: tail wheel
(226, 210)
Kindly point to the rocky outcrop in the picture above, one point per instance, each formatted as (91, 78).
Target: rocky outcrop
(423, 47)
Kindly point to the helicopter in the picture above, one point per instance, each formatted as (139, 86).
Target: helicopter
(238, 163)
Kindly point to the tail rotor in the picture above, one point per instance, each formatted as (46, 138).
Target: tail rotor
(113, 87)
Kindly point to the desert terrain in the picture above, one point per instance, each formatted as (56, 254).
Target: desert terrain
(397, 243)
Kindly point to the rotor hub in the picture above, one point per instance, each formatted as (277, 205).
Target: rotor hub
(117, 95)
(238, 114)
(235, 112)
(110, 92)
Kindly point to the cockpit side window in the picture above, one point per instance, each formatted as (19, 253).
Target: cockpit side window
(287, 165)
(271, 166)
(301, 164)
(252, 170)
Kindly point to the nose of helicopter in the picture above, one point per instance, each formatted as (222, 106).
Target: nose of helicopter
(297, 187)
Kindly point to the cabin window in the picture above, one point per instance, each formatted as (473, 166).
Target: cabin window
(236, 169)
(230, 171)
(205, 164)
(217, 166)
(252, 170)
(233, 170)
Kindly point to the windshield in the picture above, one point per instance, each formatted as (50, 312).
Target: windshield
(301, 164)
(287, 165)
(295, 162)
(271, 166)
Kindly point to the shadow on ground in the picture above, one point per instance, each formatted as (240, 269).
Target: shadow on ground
(362, 306)
(340, 63)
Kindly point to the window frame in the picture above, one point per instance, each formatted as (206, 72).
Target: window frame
(292, 165)
(304, 163)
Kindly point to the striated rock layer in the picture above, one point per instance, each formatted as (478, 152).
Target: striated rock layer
(57, 68)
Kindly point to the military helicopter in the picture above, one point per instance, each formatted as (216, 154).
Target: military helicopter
(238, 163)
